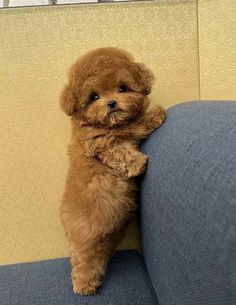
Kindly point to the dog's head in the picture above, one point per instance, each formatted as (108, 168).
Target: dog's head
(107, 88)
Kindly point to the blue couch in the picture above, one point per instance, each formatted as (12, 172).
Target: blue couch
(187, 219)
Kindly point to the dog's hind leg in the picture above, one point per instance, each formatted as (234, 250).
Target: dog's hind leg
(90, 262)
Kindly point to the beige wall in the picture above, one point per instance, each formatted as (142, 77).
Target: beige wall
(37, 46)
(217, 49)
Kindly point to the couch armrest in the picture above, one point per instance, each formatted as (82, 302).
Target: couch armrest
(188, 205)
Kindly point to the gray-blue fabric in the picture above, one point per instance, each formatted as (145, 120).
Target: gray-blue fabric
(48, 283)
(188, 205)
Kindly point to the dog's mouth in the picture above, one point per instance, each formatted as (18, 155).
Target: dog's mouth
(114, 111)
(117, 117)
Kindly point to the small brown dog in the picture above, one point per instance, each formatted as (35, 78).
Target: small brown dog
(106, 98)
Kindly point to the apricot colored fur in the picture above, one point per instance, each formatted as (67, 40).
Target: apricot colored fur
(100, 193)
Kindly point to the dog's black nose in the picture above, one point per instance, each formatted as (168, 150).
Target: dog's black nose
(111, 104)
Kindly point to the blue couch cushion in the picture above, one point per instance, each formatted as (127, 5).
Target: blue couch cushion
(48, 283)
(188, 205)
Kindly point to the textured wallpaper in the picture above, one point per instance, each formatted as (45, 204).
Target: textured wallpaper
(217, 49)
(37, 47)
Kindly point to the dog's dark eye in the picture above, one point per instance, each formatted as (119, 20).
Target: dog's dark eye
(94, 97)
(123, 89)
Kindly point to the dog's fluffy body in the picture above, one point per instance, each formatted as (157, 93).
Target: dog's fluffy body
(106, 98)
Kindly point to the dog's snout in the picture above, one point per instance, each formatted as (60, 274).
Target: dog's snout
(111, 104)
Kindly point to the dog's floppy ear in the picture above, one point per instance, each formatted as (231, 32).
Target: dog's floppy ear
(146, 78)
(68, 100)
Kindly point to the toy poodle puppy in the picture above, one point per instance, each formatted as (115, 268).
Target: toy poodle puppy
(106, 97)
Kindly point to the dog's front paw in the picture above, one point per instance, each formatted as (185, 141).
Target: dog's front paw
(138, 166)
(156, 117)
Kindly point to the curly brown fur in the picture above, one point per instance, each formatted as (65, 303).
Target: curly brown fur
(106, 98)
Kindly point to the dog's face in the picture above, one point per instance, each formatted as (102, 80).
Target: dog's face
(107, 89)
